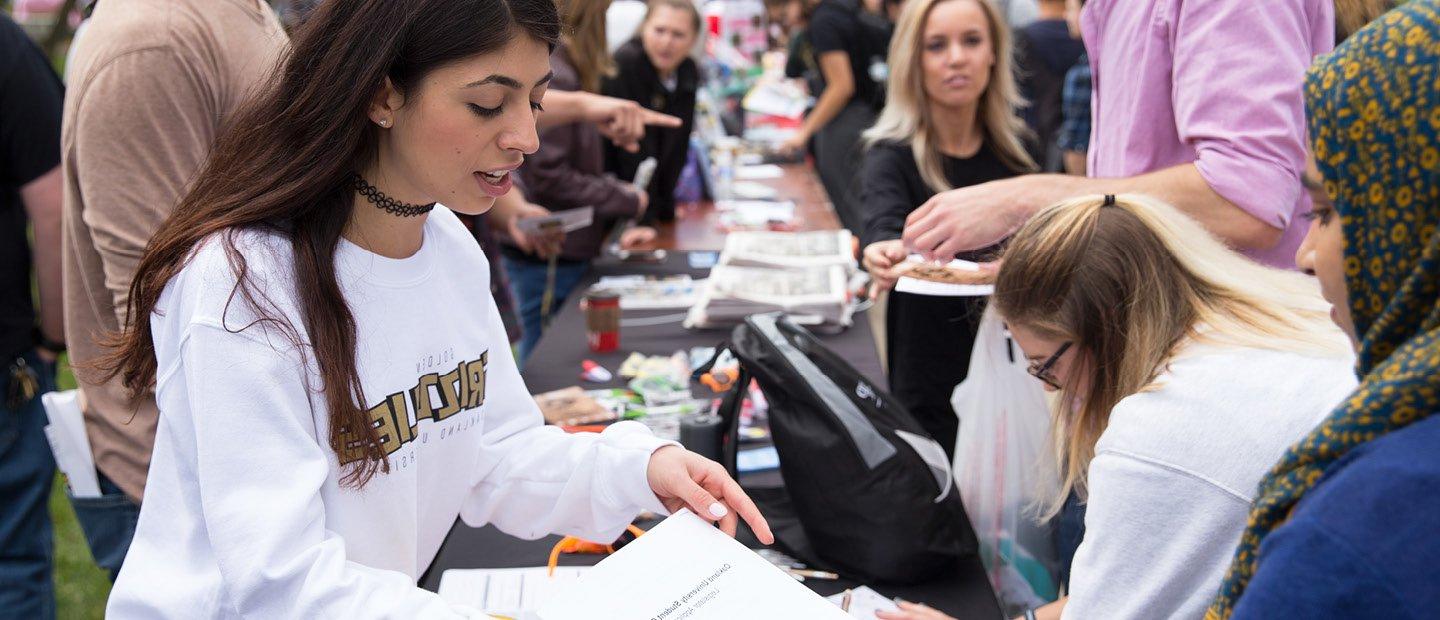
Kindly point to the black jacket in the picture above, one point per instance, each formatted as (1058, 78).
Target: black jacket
(636, 79)
(568, 172)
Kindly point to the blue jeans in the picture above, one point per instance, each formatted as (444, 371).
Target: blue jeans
(109, 524)
(527, 284)
(1069, 531)
(27, 470)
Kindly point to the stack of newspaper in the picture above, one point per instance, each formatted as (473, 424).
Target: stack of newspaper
(805, 275)
(787, 249)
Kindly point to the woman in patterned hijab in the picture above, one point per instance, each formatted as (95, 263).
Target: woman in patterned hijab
(1348, 523)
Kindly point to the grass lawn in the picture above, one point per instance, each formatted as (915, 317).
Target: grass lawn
(80, 587)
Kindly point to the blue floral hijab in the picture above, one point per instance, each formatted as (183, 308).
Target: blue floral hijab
(1374, 115)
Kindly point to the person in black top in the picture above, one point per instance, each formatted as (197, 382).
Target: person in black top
(31, 97)
(788, 20)
(843, 48)
(1045, 50)
(655, 70)
(949, 122)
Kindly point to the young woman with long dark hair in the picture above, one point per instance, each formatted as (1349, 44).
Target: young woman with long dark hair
(334, 383)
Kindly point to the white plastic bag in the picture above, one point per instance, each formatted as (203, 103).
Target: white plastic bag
(1002, 464)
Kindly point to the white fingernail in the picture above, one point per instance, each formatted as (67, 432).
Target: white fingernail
(718, 510)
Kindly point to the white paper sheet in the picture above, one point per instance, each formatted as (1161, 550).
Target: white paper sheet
(66, 434)
(749, 190)
(788, 249)
(777, 99)
(763, 172)
(864, 602)
(570, 220)
(638, 292)
(510, 592)
(754, 213)
(685, 569)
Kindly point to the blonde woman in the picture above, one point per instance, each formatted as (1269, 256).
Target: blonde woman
(1185, 371)
(568, 172)
(949, 122)
(655, 70)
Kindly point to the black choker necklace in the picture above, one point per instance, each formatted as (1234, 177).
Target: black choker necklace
(390, 205)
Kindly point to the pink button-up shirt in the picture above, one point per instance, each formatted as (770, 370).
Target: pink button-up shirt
(1214, 82)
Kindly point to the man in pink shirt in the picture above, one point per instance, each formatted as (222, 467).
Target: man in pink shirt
(1196, 103)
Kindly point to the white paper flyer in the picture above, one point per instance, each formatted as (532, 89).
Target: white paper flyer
(685, 569)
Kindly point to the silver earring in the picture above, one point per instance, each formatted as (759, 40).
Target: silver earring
(384, 122)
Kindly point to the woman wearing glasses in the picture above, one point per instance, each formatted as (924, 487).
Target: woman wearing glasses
(1184, 371)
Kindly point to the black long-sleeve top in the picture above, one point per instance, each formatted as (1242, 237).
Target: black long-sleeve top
(892, 187)
(636, 79)
(930, 337)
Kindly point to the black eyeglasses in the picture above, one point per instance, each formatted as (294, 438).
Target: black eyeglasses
(1041, 370)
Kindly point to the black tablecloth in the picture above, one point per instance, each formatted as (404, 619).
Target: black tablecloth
(556, 360)
(555, 364)
(963, 593)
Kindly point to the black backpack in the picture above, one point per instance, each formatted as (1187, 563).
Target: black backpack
(874, 495)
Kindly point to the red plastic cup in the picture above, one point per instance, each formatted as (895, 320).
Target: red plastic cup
(602, 320)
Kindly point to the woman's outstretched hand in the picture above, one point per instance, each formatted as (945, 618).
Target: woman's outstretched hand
(682, 479)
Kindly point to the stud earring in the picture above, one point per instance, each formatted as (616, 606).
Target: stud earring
(384, 122)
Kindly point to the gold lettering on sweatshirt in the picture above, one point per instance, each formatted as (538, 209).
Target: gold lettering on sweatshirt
(434, 397)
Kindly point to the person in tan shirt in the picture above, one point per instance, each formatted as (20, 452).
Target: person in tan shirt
(151, 83)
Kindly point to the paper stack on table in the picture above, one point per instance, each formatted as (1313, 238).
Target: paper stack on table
(783, 249)
(761, 172)
(639, 292)
(741, 215)
(749, 190)
(685, 569)
(811, 295)
(805, 275)
(508, 592)
(776, 98)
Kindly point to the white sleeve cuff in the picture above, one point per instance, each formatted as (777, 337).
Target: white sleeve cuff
(631, 481)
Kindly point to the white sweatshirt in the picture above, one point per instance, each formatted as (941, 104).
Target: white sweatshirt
(1176, 470)
(243, 515)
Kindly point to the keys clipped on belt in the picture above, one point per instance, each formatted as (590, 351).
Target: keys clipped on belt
(23, 384)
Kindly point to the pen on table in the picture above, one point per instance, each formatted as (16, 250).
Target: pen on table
(813, 574)
(845, 602)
